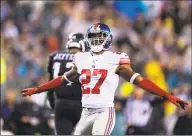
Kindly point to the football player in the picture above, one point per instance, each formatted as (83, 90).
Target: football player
(66, 99)
(99, 71)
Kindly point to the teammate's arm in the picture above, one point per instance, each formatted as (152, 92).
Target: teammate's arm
(125, 71)
(70, 76)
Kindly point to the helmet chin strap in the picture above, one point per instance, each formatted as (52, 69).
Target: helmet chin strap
(97, 49)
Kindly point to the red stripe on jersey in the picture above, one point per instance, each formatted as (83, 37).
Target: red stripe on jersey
(124, 61)
(107, 123)
(111, 125)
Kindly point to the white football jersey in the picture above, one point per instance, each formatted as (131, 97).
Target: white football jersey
(98, 78)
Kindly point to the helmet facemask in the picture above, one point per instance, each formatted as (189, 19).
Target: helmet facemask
(97, 41)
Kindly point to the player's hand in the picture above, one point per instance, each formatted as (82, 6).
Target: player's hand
(28, 91)
(178, 102)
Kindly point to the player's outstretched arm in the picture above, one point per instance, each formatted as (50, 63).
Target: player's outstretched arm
(70, 76)
(126, 72)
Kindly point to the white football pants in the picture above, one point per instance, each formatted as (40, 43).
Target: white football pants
(100, 121)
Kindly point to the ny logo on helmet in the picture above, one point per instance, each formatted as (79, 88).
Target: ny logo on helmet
(95, 28)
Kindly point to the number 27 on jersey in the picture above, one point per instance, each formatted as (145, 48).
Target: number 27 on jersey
(87, 80)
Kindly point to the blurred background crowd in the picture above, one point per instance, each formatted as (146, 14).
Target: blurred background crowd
(155, 34)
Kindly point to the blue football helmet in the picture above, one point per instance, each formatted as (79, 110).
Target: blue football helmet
(99, 37)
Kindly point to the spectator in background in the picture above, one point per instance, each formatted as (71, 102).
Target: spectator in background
(3, 75)
(10, 31)
(77, 21)
(144, 114)
(4, 132)
(138, 112)
(31, 118)
(5, 10)
(3, 71)
(7, 110)
(183, 125)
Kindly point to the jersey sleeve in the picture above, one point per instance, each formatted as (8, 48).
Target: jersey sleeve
(49, 66)
(50, 62)
(124, 59)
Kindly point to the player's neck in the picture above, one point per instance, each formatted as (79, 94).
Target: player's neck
(97, 53)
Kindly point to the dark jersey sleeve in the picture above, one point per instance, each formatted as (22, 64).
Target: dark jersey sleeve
(50, 94)
(49, 67)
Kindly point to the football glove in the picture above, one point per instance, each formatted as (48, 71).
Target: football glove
(28, 91)
(176, 101)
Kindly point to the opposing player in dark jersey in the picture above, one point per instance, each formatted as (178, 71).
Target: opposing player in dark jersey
(66, 99)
